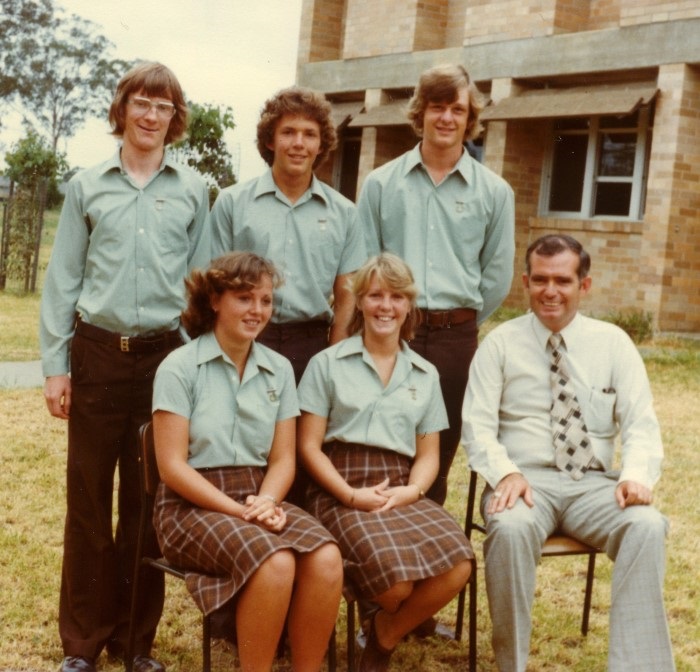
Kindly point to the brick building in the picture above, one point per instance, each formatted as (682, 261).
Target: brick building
(594, 120)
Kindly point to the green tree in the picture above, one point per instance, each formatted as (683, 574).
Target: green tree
(32, 165)
(18, 19)
(205, 149)
(57, 66)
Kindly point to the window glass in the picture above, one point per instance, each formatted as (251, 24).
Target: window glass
(568, 169)
(617, 152)
(613, 198)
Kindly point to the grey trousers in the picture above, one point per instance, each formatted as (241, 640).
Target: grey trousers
(633, 538)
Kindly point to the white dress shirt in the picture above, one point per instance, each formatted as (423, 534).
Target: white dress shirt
(506, 412)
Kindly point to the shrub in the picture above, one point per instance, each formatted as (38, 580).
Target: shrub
(639, 324)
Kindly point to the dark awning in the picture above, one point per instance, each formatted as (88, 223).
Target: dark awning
(342, 113)
(391, 114)
(580, 101)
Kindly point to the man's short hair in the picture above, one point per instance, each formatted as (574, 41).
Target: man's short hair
(552, 244)
(442, 84)
(301, 102)
(153, 80)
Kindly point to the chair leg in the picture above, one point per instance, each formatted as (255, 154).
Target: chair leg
(472, 618)
(350, 618)
(459, 623)
(590, 575)
(332, 654)
(206, 643)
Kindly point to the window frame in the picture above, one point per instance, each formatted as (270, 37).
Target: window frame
(591, 179)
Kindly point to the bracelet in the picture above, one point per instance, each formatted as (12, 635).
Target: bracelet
(421, 492)
(270, 497)
(352, 497)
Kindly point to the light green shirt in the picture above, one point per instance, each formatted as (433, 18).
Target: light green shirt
(457, 236)
(311, 242)
(341, 383)
(232, 421)
(121, 254)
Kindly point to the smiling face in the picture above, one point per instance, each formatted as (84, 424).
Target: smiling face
(555, 289)
(145, 132)
(384, 310)
(445, 124)
(242, 314)
(296, 144)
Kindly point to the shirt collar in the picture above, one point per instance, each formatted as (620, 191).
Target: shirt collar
(115, 162)
(266, 185)
(354, 346)
(208, 349)
(569, 332)
(465, 165)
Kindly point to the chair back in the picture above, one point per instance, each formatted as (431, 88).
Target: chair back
(148, 467)
(469, 522)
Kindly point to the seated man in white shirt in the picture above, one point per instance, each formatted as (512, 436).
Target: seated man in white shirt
(539, 426)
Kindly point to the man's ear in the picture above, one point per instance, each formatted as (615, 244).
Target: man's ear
(526, 280)
(586, 284)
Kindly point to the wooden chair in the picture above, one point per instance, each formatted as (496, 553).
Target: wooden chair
(556, 545)
(149, 479)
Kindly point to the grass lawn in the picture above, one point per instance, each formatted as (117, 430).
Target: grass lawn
(32, 451)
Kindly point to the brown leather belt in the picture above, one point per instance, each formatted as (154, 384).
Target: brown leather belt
(444, 319)
(137, 344)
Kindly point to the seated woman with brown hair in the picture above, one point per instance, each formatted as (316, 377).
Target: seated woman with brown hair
(224, 420)
(371, 415)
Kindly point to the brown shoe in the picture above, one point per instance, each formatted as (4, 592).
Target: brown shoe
(375, 658)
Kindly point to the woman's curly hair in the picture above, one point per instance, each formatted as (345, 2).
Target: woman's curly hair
(237, 271)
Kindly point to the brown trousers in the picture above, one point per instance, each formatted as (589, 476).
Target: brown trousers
(450, 350)
(111, 398)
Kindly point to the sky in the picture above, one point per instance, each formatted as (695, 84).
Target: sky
(228, 52)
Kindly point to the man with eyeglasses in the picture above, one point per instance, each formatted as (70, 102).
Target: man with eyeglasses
(131, 229)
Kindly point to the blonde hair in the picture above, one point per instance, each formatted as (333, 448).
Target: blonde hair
(391, 272)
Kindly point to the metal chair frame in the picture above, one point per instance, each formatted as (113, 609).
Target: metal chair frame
(149, 479)
(556, 545)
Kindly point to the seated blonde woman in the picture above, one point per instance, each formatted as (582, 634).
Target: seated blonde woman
(224, 419)
(371, 416)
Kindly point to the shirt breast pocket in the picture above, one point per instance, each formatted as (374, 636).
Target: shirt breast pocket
(600, 416)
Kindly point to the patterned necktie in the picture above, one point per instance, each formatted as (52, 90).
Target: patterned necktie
(572, 447)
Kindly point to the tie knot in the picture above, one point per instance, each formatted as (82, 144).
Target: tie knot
(555, 341)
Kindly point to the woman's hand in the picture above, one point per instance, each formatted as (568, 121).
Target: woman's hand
(401, 495)
(263, 509)
(372, 498)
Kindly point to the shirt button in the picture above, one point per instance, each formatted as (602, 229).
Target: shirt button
(140, 231)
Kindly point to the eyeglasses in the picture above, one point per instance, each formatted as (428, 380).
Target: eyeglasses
(142, 106)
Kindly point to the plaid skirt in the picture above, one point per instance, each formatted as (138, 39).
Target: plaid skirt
(381, 549)
(222, 551)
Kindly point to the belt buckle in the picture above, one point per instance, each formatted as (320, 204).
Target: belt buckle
(124, 343)
(445, 320)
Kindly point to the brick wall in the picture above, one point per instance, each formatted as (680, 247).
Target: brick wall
(373, 28)
(673, 203)
(633, 12)
(604, 14)
(321, 31)
(431, 24)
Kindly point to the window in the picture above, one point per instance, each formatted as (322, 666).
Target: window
(597, 167)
